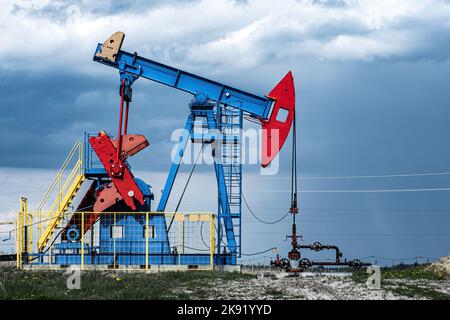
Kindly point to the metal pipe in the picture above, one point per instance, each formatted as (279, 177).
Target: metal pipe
(119, 134)
(125, 126)
(316, 246)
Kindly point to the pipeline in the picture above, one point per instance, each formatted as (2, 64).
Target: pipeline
(305, 263)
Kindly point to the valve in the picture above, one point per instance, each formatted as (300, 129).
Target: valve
(356, 263)
(316, 246)
(304, 263)
(281, 263)
(285, 263)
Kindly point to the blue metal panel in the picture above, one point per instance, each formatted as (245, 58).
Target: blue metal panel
(256, 106)
(131, 248)
(92, 166)
(138, 259)
(133, 241)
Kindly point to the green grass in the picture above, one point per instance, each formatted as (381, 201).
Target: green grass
(404, 272)
(20, 284)
(413, 272)
(415, 291)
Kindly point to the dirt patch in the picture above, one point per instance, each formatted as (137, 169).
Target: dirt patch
(311, 288)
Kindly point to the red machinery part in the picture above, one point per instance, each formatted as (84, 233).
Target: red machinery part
(123, 180)
(276, 129)
(131, 144)
(108, 197)
(86, 206)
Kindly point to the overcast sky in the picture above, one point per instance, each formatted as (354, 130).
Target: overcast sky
(372, 81)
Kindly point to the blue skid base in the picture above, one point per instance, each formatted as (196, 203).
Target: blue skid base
(133, 259)
(130, 248)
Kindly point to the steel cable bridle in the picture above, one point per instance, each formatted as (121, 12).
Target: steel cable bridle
(185, 186)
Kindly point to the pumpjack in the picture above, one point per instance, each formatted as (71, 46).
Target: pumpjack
(220, 109)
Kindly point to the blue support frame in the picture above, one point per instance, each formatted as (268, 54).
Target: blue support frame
(224, 214)
(183, 140)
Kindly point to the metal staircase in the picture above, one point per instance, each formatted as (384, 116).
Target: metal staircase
(230, 123)
(60, 195)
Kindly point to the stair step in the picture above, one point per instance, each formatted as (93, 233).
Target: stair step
(58, 215)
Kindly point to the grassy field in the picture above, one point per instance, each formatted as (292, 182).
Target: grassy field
(409, 280)
(415, 282)
(19, 284)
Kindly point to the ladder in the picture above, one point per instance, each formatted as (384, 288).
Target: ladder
(230, 123)
(62, 191)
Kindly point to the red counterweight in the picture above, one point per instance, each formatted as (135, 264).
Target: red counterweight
(123, 185)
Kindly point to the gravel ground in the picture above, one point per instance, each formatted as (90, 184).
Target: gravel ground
(325, 287)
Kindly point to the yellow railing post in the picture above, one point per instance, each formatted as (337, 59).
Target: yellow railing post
(114, 237)
(29, 225)
(19, 239)
(29, 232)
(146, 241)
(80, 157)
(211, 241)
(179, 242)
(24, 232)
(50, 252)
(59, 192)
(184, 240)
(39, 224)
(82, 240)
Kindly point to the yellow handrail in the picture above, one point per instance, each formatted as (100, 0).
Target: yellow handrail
(75, 172)
(76, 147)
(57, 215)
(60, 190)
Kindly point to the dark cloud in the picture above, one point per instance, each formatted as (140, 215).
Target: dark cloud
(45, 113)
(388, 116)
